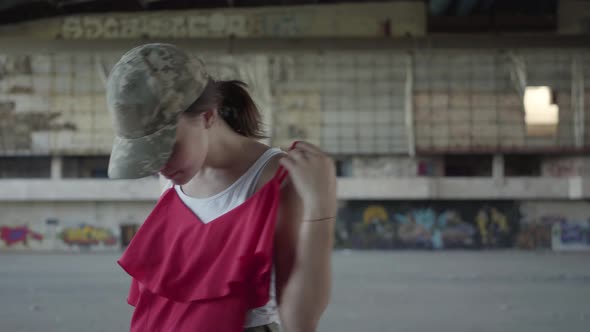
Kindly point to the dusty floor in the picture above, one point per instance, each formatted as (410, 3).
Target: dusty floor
(373, 291)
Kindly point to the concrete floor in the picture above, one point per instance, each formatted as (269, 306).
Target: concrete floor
(373, 291)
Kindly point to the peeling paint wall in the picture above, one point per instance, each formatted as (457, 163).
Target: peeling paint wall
(340, 20)
(562, 167)
(398, 167)
(468, 100)
(348, 102)
(55, 103)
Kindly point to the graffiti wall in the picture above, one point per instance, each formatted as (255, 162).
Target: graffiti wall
(528, 225)
(428, 225)
(560, 226)
(52, 236)
(72, 227)
(12, 236)
(567, 236)
(88, 235)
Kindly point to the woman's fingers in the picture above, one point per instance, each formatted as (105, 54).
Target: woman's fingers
(304, 155)
(288, 162)
(309, 148)
(298, 155)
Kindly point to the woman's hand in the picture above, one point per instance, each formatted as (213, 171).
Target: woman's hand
(314, 177)
(307, 246)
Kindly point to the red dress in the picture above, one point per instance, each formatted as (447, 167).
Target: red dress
(192, 276)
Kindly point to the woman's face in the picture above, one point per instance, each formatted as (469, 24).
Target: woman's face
(190, 150)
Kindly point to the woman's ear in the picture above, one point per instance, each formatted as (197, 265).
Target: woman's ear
(209, 117)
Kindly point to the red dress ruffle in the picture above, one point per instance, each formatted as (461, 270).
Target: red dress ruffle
(191, 276)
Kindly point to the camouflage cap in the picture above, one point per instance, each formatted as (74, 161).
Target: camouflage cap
(146, 91)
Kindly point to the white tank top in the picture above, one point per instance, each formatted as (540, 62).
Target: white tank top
(209, 208)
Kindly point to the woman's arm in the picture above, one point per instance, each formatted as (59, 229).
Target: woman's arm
(304, 246)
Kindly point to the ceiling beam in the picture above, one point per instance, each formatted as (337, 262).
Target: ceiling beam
(260, 45)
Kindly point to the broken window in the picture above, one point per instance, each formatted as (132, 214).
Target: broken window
(85, 167)
(25, 167)
(468, 165)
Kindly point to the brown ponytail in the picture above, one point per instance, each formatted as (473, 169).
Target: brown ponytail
(234, 105)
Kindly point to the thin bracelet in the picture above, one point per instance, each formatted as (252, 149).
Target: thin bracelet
(321, 219)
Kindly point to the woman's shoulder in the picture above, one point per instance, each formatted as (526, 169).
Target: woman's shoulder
(271, 167)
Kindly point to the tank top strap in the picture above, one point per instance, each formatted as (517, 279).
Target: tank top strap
(282, 172)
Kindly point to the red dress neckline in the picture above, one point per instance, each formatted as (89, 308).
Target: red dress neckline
(233, 210)
(195, 276)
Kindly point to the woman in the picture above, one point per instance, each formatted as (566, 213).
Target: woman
(241, 237)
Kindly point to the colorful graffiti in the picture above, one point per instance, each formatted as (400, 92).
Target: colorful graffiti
(435, 225)
(88, 235)
(375, 225)
(571, 235)
(463, 224)
(128, 231)
(425, 228)
(536, 234)
(556, 231)
(18, 234)
(494, 230)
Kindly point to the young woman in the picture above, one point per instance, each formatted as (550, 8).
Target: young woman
(241, 237)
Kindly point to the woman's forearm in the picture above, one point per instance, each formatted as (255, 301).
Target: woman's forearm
(307, 292)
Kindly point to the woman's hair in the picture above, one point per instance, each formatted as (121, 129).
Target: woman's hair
(234, 105)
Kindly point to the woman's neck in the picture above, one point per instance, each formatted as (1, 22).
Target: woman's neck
(229, 156)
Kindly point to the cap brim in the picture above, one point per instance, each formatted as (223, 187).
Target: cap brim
(141, 157)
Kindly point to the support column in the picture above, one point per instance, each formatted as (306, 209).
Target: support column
(56, 167)
(498, 168)
(409, 105)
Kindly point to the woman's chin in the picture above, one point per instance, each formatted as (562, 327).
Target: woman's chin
(180, 180)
